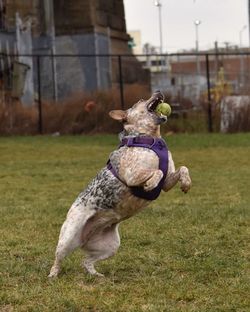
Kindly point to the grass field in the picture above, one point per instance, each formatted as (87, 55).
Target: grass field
(183, 253)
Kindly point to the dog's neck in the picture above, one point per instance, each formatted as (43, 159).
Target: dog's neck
(126, 134)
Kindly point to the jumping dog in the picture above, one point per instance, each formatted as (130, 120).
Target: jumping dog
(135, 174)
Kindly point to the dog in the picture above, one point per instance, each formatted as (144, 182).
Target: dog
(135, 174)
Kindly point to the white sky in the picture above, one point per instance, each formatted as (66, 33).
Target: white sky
(222, 20)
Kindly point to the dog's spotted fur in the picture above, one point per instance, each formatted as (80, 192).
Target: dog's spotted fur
(102, 195)
(92, 221)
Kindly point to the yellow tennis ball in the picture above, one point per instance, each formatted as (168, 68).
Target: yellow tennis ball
(164, 109)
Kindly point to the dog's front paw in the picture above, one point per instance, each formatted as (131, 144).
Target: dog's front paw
(152, 183)
(185, 179)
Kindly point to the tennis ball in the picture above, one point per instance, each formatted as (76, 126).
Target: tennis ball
(164, 109)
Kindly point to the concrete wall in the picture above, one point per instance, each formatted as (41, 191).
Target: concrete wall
(74, 74)
(83, 16)
(82, 73)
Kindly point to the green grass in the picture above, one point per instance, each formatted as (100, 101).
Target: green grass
(183, 253)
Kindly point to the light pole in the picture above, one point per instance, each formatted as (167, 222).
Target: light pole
(159, 5)
(242, 74)
(240, 34)
(248, 22)
(197, 23)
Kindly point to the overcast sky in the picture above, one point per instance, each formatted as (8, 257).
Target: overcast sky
(222, 20)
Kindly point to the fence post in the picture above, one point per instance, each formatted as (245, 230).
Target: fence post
(121, 81)
(209, 109)
(40, 119)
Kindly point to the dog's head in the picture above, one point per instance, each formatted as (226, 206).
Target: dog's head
(141, 117)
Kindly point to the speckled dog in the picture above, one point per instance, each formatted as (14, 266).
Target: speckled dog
(122, 188)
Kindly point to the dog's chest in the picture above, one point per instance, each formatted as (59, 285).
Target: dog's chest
(134, 158)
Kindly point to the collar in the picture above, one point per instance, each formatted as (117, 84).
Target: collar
(143, 141)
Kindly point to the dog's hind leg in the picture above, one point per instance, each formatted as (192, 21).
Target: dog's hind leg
(101, 245)
(70, 236)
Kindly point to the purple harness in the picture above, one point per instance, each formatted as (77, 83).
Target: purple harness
(160, 148)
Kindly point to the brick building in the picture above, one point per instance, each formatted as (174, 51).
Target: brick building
(236, 69)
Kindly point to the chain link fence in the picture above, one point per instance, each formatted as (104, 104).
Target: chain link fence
(41, 93)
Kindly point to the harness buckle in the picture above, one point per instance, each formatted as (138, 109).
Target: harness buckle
(152, 143)
(130, 142)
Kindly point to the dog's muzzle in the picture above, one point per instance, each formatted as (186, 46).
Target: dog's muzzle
(155, 99)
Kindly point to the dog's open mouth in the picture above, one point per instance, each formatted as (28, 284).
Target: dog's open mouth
(152, 104)
(154, 101)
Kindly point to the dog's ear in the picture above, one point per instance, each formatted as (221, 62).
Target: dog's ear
(119, 115)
